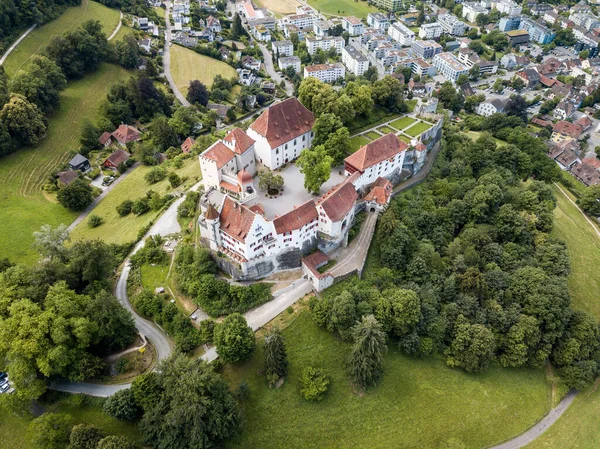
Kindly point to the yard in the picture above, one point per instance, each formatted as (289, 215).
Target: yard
(153, 276)
(386, 130)
(116, 229)
(358, 141)
(187, 65)
(403, 123)
(69, 20)
(417, 129)
(372, 135)
(15, 429)
(419, 402)
(358, 8)
(25, 208)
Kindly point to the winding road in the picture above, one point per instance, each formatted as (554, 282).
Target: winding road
(17, 42)
(167, 59)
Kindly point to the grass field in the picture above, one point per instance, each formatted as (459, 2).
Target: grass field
(386, 130)
(69, 20)
(372, 135)
(25, 208)
(357, 8)
(187, 65)
(154, 276)
(417, 129)
(279, 6)
(357, 142)
(419, 402)
(116, 229)
(404, 139)
(15, 429)
(402, 123)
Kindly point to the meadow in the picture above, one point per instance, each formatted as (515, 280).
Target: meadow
(417, 129)
(357, 8)
(25, 207)
(418, 403)
(74, 16)
(279, 7)
(187, 65)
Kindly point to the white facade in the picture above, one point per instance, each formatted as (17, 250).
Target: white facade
(283, 48)
(312, 44)
(472, 10)
(451, 25)
(378, 21)
(290, 61)
(401, 34)
(354, 60)
(488, 108)
(302, 21)
(328, 73)
(447, 64)
(430, 30)
(274, 158)
(353, 26)
(509, 7)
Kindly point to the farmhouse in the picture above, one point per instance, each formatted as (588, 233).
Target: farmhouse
(125, 134)
(115, 159)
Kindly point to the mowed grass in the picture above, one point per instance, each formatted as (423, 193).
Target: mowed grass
(25, 208)
(417, 129)
(16, 433)
(154, 276)
(579, 427)
(358, 8)
(358, 141)
(418, 404)
(403, 123)
(386, 130)
(403, 138)
(187, 65)
(74, 16)
(372, 135)
(279, 6)
(116, 229)
(583, 246)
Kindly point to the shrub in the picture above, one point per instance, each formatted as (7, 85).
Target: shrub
(207, 330)
(85, 437)
(140, 206)
(155, 175)
(122, 406)
(174, 179)
(94, 221)
(76, 196)
(125, 208)
(314, 383)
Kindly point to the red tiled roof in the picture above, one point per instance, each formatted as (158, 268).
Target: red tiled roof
(380, 192)
(104, 137)
(258, 208)
(283, 122)
(592, 162)
(584, 121)
(296, 218)
(236, 219)
(314, 261)
(377, 151)
(125, 134)
(338, 201)
(244, 177)
(187, 144)
(586, 174)
(116, 158)
(211, 213)
(568, 129)
(219, 153)
(539, 121)
(239, 140)
(229, 186)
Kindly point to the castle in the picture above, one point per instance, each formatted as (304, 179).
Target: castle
(233, 224)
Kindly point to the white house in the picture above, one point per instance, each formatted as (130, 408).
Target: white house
(430, 30)
(353, 26)
(290, 61)
(283, 48)
(213, 24)
(328, 73)
(401, 34)
(354, 60)
(282, 132)
(491, 107)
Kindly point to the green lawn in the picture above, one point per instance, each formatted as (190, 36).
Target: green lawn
(69, 20)
(154, 276)
(402, 123)
(403, 138)
(386, 130)
(474, 135)
(187, 65)
(372, 135)
(25, 208)
(357, 142)
(356, 8)
(417, 129)
(116, 229)
(419, 402)
(15, 429)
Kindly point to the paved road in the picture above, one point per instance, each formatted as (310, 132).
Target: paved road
(17, 42)
(544, 424)
(352, 258)
(167, 59)
(268, 61)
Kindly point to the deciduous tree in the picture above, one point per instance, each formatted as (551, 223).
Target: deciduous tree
(315, 164)
(234, 339)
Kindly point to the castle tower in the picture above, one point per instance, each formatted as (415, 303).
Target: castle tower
(212, 223)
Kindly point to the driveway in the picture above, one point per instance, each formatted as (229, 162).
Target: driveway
(167, 58)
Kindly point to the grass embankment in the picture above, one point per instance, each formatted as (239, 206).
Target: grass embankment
(579, 426)
(356, 8)
(116, 229)
(419, 402)
(187, 65)
(73, 17)
(25, 208)
(16, 433)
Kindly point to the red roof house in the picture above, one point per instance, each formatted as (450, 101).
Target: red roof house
(125, 134)
(187, 144)
(115, 159)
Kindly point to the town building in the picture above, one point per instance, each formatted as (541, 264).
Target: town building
(451, 25)
(81, 163)
(283, 48)
(282, 132)
(321, 28)
(125, 134)
(538, 33)
(325, 43)
(471, 10)
(353, 26)
(491, 107)
(354, 60)
(328, 73)
(388, 5)
(302, 21)
(564, 110)
(426, 49)
(509, 7)
(517, 37)
(449, 66)
(422, 68)
(290, 61)
(470, 59)
(378, 21)
(430, 30)
(564, 130)
(509, 23)
(401, 34)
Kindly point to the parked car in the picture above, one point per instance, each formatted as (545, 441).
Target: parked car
(4, 387)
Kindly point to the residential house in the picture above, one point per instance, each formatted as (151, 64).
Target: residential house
(66, 177)
(353, 26)
(117, 158)
(213, 24)
(187, 145)
(125, 134)
(491, 107)
(81, 163)
(564, 130)
(105, 139)
(564, 110)
(328, 73)
(530, 77)
(145, 44)
(248, 62)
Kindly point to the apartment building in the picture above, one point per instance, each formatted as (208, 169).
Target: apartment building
(426, 49)
(302, 21)
(325, 43)
(378, 21)
(471, 10)
(537, 32)
(328, 73)
(353, 26)
(401, 34)
(430, 30)
(283, 48)
(354, 60)
(422, 68)
(451, 25)
(447, 64)
(509, 7)
(389, 5)
(289, 61)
